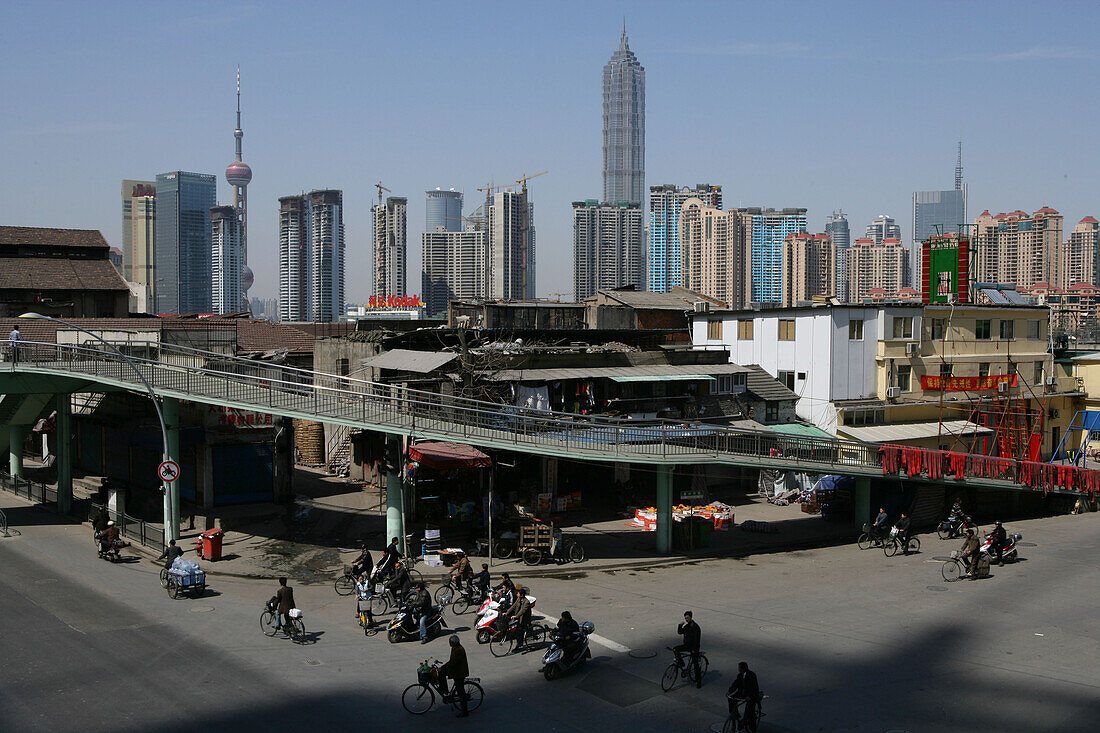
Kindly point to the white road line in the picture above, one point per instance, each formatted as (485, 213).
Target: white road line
(602, 641)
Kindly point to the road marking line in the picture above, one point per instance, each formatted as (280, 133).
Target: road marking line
(612, 645)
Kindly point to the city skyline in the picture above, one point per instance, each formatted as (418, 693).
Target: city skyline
(548, 122)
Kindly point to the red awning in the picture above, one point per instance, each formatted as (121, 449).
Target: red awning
(448, 455)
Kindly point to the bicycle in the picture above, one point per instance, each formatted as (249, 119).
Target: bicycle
(870, 539)
(954, 568)
(892, 545)
(679, 668)
(730, 726)
(269, 623)
(503, 643)
(419, 698)
(461, 599)
(345, 584)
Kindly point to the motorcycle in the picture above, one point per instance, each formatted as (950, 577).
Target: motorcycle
(488, 616)
(556, 662)
(1010, 553)
(405, 625)
(111, 552)
(954, 526)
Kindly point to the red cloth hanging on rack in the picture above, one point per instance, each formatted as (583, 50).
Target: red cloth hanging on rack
(957, 464)
(935, 464)
(911, 457)
(889, 455)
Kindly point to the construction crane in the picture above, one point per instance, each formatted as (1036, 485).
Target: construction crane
(381, 188)
(522, 180)
(490, 187)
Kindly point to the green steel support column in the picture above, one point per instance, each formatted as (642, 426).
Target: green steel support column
(861, 501)
(170, 406)
(17, 435)
(395, 498)
(64, 435)
(664, 510)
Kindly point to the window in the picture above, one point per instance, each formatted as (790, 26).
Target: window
(725, 383)
(903, 327)
(1007, 330)
(771, 412)
(744, 330)
(855, 329)
(786, 379)
(937, 329)
(905, 377)
(864, 417)
(714, 330)
(983, 369)
(982, 329)
(1054, 433)
(342, 367)
(740, 380)
(1038, 373)
(786, 330)
(945, 371)
(1033, 330)
(802, 376)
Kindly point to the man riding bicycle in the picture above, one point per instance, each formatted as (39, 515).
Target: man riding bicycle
(969, 551)
(746, 688)
(461, 573)
(692, 634)
(520, 610)
(481, 581)
(170, 554)
(881, 524)
(902, 527)
(399, 584)
(363, 564)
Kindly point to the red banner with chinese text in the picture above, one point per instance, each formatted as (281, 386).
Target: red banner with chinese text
(969, 384)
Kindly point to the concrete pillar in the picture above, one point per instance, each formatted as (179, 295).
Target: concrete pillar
(17, 435)
(395, 498)
(64, 438)
(170, 406)
(861, 501)
(664, 509)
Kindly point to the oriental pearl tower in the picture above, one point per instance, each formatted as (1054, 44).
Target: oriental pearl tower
(238, 174)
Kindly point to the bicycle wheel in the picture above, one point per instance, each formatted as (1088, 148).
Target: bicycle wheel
(267, 623)
(864, 541)
(379, 604)
(576, 553)
(501, 644)
(474, 696)
(345, 585)
(418, 699)
(532, 556)
(298, 630)
(944, 533)
(668, 679)
(891, 547)
(536, 634)
(951, 570)
(914, 545)
(164, 577)
(415, 577)
(444, 594)
(460, 605)
(173, 588)
(704, 665)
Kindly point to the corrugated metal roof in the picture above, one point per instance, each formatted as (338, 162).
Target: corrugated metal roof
(406, 360)
(900, 432)
(653, 370)
(765, 386)
(797, 428)
(663, 378)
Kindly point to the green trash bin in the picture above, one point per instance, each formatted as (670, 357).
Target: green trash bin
(703, 528)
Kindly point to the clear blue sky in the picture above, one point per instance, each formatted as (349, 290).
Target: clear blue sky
(823, 105)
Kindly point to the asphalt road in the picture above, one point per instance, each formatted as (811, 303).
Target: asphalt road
(842, 640)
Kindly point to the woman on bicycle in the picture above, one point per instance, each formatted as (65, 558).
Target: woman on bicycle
(363, 592)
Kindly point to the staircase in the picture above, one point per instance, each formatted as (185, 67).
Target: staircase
(338, 451)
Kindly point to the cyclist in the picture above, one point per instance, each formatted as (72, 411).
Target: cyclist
(692, 634)
(364, 589)
(391, 555)
(399, 584)
(969, 551)
(364, 563)
(285, 598)
(520, 610)
(458, 669)
(902, 526)
(461, 573)
(882, 521)
(170, 554)
(744, 687)
(481, 581)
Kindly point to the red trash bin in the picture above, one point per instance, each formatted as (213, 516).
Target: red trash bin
(212, 544)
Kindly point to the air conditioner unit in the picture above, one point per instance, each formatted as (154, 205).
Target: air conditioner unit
(1052, 381)
(1052, 413)
(893, 392)
(702, 306)
(1002, 387)
(911, 348)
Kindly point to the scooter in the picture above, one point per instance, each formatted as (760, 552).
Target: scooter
(111, 553)
(1010, 553)
(489, 614)
(555, 662)
(405, 626)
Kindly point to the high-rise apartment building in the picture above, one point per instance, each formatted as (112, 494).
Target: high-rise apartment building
(311, 256)
(139, 237)
(883, 227)
(443, 209)
(1081, 254)
(624, 127)
(607, 246)
(456, 266)
(183, 203)
(836, 226)
(511, 246)
(809, 267)
(665, 257)
(390, 246)
(227, 260)
(1018, 248)
(764, 232)
(712, 253)
(876, 266)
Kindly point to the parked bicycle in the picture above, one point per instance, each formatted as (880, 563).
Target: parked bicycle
(419, 698)
(269, 618)
(683, 668)
(746, 725)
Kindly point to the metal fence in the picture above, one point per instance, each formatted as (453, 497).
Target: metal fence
(145, 533)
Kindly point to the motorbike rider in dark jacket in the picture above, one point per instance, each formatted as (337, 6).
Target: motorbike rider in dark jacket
(421, 606)
(481, 581)
(507, 589)
(399, 584)
(569, 632)
(997, 540)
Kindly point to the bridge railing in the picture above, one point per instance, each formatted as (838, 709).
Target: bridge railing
(342, 398)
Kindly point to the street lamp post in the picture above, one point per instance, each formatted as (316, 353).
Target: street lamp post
(171, 499)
